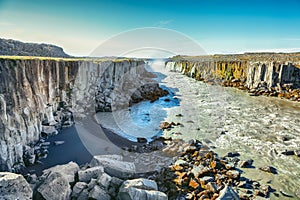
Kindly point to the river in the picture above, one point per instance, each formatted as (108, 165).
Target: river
(226, 119)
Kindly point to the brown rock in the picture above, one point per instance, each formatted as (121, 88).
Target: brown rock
(234, 174)
(212, 186)
(194, 184)
(177, 168)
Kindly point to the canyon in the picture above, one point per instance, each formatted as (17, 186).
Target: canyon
(40, 96)
(259, 73)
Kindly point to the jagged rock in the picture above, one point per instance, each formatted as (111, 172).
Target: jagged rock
(288, 153)
(197, 170)
(114, 167)
(84, 195)
(207, 179)
(234, 174)
(212, 186)
(14, 186)
(89, 173)
(54, 186)
(92, 184)
(298, 193)
(140, 189)
(297, 153)
(104, 180)
(116, 182)
(141, 140)
(68, 170)
(98, 193)
(269, 169)
(49, 131)
(233, 154)
(78, 188)
(32, 178)
(228, 194)
(245, 164)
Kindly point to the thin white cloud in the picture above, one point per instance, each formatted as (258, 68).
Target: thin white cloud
(6, 24)
(163, 23)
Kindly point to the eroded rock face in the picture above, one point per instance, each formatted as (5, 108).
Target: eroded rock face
(14, 186)
(260, 74)
(32, 93)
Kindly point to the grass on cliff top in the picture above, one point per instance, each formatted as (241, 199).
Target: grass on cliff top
(65, 59)
(259, 56)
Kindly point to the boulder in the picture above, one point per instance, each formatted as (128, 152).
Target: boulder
(116, 182)
(14, 186)
(228, 194)
(142, 140)
(54, 186)
(89, 173)
(92, 184)
(140, 189)
(84, 195)
(234, 174)
(269, 169)
(98, 193)
(96, 161)
(78, 188)
(68, 170)
(114, 166)
(104, 180)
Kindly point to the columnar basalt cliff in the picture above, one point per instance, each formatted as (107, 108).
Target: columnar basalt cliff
(260, 74)
(38, 96)
(30, 93)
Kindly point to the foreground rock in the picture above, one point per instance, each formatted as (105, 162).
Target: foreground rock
(140, 189)
(68, 171)
(114, 166)
(14, 186)
(54, 186)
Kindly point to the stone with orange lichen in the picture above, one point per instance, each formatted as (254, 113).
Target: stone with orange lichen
(194, 184)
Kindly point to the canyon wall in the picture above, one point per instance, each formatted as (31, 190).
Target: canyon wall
(36, 95)
(268, 77)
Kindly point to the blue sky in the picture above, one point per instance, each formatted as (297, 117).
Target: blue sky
(219, 26)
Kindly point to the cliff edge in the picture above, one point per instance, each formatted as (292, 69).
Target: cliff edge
(17, 48)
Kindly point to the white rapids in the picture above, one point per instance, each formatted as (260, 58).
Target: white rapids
(259, 128)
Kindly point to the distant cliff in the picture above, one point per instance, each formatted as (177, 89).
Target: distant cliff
(13, 47)
(267, 74)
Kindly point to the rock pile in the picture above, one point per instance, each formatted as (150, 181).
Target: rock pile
(196, 173)
(105, 177)
(285, 91)
(150, 92)
(200, 174)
